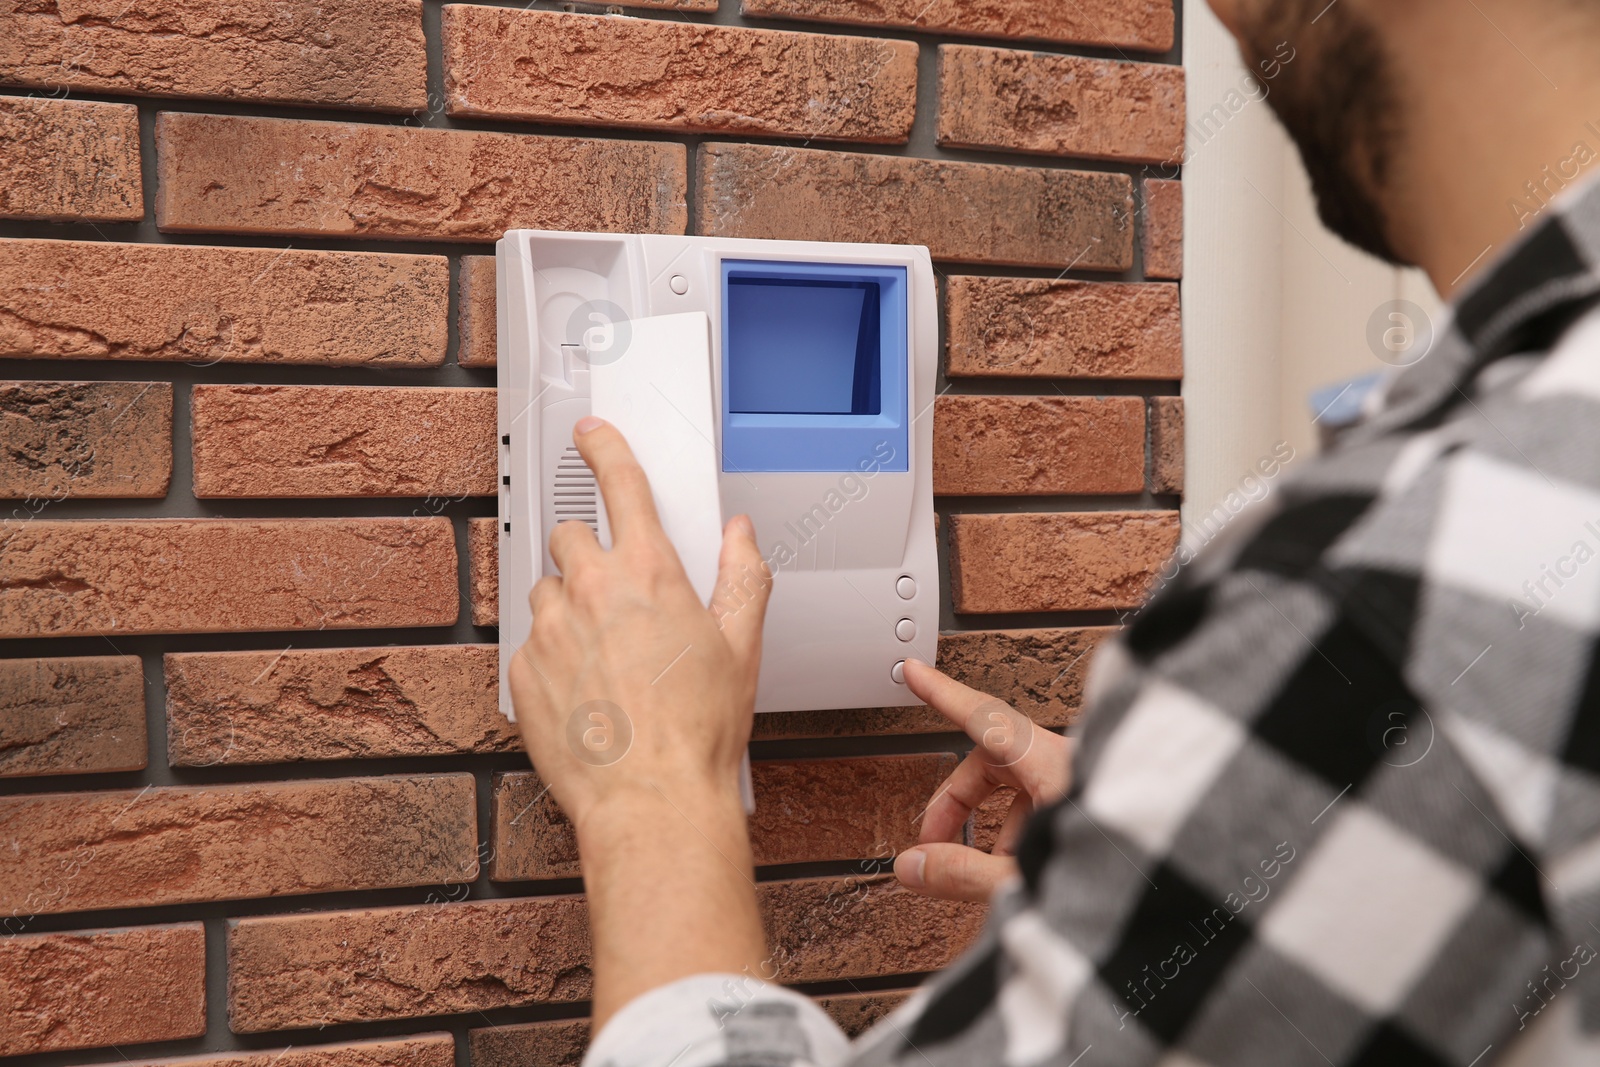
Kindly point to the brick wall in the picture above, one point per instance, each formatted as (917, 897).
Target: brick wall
(257, 804)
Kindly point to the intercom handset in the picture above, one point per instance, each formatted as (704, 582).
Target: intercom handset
(789, 381)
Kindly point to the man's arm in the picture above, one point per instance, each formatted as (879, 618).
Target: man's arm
(636, 705)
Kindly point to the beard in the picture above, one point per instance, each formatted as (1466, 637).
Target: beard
(1337, 101)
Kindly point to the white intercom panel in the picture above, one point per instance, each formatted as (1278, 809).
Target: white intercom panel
(790, 381)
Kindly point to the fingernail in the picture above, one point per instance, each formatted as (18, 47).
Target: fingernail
(587, 424)
(745, 526)
(909, 867)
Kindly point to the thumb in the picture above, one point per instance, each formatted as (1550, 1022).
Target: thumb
(744, 584)
(953, 872)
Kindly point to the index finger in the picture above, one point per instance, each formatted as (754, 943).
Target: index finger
(956, 702)
(630, 508)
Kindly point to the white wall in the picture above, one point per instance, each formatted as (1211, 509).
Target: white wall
(1273, 304)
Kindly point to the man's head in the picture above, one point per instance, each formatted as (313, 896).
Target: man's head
(1338, 100)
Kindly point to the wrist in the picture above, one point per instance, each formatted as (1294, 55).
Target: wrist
(665, 809)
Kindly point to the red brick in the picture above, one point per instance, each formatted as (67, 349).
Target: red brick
(483, 569)
(476, 325)
(856, 1013)
(990, 817)
(178, 844)
(368, 55)
(333, 440)
(1163, 228)
(560, 1043)
(1076, 561)
(334, 703)
(91, 577)
(1037, 445)
(94, 988)
(68, 160)
(71, 715)
(235, 174)
(413, 1050)
(97, 300)
(1059, 105)
(86, 439)
(825, 929)
(963, 212)
(1039, 672)
(595, 70)
(289, 971)
(1166, 444)
(1146, 25)
(806, 811)
(1032, 328)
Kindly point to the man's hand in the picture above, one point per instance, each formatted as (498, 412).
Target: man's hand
(635, 703)
(1011, 751)
(627, 682)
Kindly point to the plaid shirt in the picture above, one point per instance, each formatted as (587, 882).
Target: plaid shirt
(1338, 794)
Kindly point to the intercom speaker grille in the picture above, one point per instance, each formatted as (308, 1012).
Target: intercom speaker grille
(576, 496)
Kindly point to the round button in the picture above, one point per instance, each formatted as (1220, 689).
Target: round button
(905, 630)
(906, 587)
(898, 673)
(680, 284)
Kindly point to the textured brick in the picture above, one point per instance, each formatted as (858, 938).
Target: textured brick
(85, 439)
(177, 844)
(330, 440)
(1166, 444)
(1037, 445)
(367, 54)
(88, 578)
(593, 70)
(560, 1043)
(289, 971)
(831, 928)
(990, 817)
(1059, 105)
(806, 811)
(1032, 328)
(963, 212)
(1077, 561)
(1039, 672)
(94, 988)
(483, 569)
(477, 327)
(856, 1013)
(1163, 228)
(69, 160)
(72, 715)
(96, 300)
(315, 704)
(391, 963)
(334, 703)
(1142, 24)
(232, 174)
(413, 1050)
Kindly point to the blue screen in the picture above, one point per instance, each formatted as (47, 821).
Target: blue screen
(803, 347)
(814, 366)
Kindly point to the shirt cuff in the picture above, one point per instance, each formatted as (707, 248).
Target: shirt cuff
(712, 1019)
